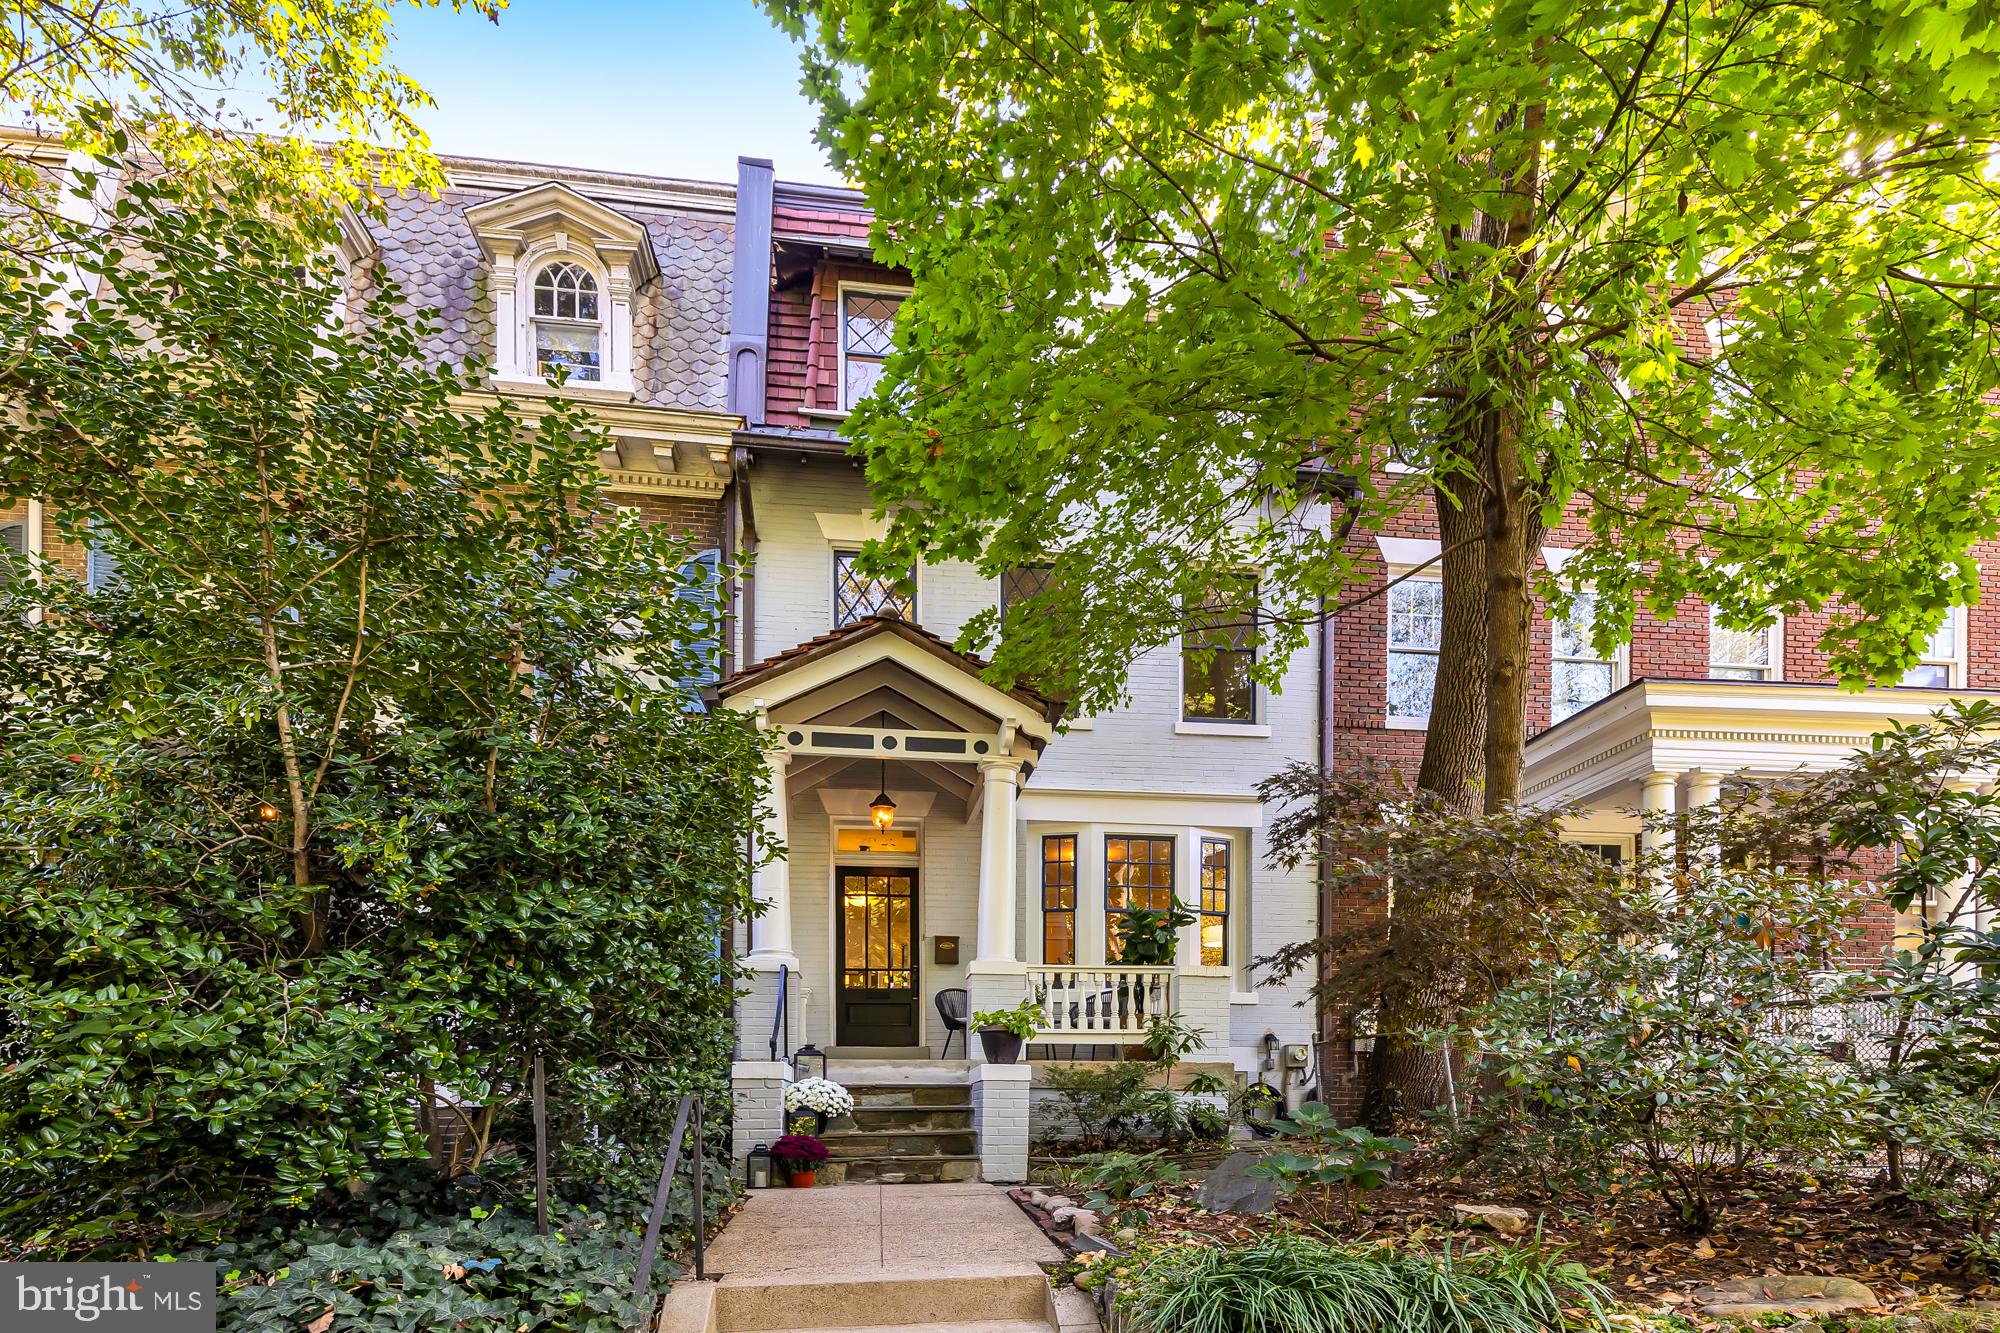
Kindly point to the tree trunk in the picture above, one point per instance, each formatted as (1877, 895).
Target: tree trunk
(1454, 743)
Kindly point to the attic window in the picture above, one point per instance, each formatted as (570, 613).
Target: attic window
(867, 336)
(569, 332)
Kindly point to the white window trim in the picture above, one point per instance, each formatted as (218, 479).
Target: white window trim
(1394, 721)
(518, 234)
(1621, 668)
(1955, 665)
(1774, 634)
(840, 334)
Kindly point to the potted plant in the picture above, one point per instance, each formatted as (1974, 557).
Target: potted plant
(819, 1098)
(1002, 1031)
(799, 1156)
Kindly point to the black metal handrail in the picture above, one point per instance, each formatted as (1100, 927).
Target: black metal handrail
(782, 1019)
(690, 1108)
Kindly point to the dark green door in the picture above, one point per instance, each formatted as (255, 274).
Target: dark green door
(877, 1004)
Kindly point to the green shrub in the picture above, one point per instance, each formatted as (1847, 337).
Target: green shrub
(1326, 1164)
(1115, 1179)
(489, 1270)
(1680, 1049)
(1292, 1284)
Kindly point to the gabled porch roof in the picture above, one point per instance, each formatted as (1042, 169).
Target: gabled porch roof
(900, 649)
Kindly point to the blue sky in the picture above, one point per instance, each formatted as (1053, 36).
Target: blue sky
(667, 87)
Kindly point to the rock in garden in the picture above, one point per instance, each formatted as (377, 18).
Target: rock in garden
(1065, 1216)
(1055, 1202)
(1126, 1236)
(1085, 1222)
(1506, 1221)
(1039, 1198)
(1230, 1188)
(1748, 1297)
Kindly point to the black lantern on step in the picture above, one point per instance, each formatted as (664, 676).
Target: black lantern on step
(757, 1168)
(808, 1061)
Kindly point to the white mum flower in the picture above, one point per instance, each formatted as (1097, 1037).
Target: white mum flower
(819, 1095)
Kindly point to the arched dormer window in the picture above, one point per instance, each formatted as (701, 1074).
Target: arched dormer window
(569, 330)
(564, 271)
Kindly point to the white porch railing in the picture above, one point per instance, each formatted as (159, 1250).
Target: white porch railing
(1107, 1003)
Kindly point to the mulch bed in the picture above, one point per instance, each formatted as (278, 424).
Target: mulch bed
(1792, 1225)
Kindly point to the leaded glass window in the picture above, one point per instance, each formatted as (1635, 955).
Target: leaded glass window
(867, 337)
(1219, 656)
(856, 596)
(1416, 629)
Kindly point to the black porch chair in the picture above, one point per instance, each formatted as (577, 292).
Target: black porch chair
(955, 1008)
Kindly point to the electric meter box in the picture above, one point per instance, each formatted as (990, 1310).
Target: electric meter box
(1295, 1057)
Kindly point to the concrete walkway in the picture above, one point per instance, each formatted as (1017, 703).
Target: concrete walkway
(855, 1231)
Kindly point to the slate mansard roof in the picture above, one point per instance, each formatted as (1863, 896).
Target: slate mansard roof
(680, 320)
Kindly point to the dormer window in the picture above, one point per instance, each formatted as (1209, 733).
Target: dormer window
(565, 271)
(569, 332)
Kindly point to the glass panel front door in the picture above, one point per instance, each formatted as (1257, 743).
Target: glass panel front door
(878, 957)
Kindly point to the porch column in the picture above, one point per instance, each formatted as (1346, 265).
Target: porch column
(771, 928)
(1656, 803)
(1704, 792)
(997, 907)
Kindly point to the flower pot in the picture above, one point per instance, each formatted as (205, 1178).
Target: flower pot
(801, 1180)
(1001, 1046)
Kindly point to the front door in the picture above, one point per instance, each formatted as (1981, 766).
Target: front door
(877, 999)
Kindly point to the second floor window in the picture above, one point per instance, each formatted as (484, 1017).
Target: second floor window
(856, 597)
(1742, 654)
(1416, 629)
(867, 336)
(568, 330)
(1579, 676)
(1219, 654)
(1940, 667)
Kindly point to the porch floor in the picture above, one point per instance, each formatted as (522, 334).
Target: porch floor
(858, 1231)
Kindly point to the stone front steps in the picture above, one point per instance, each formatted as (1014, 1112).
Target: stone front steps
(903, 1133)
(1015, 1302)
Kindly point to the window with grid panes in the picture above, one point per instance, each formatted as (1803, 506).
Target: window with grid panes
(856, 597)
(1023, 582)
(867, 336)
(1059, 898)
(1215, 870)
(1138, 872)
(1218, 655)
(568, 329)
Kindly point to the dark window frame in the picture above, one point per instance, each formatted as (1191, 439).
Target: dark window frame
(1152, 842)
(1065, 868)
(1220, 641)
(1217, 887)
